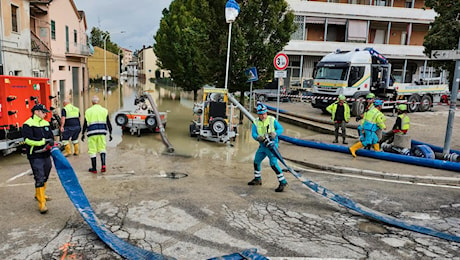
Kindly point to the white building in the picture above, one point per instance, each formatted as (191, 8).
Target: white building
(395, 28)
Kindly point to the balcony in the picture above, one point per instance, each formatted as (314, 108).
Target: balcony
(78, 51)
(37, 45)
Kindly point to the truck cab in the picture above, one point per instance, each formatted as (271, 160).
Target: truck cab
(353, 74)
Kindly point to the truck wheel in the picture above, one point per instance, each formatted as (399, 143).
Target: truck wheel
(357, 108)
(150, 121)
(425, 103)
(218, 126)
(262, 98)
(121, 119)
(412, 103)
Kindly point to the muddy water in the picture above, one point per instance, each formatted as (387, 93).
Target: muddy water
(178, 106)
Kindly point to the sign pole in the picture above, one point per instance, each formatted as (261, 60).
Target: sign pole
(453, 105)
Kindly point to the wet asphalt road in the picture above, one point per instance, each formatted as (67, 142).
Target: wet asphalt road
(212, 212)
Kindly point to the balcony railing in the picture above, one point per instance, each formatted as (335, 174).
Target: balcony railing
(37, 45)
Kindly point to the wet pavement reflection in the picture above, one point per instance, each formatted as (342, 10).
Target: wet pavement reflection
(178, 105)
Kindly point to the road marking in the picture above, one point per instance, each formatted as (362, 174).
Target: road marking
(29, 171)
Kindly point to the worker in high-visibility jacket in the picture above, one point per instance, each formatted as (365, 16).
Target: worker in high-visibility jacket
(70, 128)
(340, 115)
(266, 130)
(39, 139)
(400, 127)
(97, 123)
(372, 121)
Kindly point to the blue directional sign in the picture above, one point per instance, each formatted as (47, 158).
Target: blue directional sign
(251, 73)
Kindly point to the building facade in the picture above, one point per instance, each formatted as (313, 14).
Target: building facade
(147, 65)
(395, 28)
(45, 39)
(97, 66)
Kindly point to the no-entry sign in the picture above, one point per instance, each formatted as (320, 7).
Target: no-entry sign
(281, 61)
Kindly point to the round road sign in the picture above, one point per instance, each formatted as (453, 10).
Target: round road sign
(281, 61)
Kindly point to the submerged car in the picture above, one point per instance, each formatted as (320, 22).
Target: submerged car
(142, 118)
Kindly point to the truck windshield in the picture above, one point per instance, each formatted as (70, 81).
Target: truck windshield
(331, 72)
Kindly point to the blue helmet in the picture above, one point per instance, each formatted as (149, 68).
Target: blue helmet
(378, 102)
(261, 109)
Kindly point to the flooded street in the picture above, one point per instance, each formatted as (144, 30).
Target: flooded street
(178, 106)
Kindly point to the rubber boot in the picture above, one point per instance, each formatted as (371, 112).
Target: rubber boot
(40, 194)
(103, 169)
(76, 149)
(355, 147)
(46, 197)
(377, 147)
(93, 165)
(67, 150)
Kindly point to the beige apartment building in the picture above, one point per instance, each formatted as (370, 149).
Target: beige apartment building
(45, 39)
(395, 28)
(147, 65)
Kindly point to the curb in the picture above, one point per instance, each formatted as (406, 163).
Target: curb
(449, 181)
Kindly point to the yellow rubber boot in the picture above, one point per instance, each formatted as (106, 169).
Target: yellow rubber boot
(46, 197)
(76, 149)
(377, 147)
(67, 150)
(355, 147)
(40, 194)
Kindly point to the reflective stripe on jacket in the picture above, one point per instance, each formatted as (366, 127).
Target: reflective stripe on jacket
(72, 115)
(96, 118)
(34, 131)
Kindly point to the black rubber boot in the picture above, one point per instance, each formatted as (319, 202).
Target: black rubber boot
(281, 187)
(93, 165)
(103, 169)
(255, 182)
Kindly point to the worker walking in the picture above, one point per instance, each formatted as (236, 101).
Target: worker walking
(372, 121)
(39, 139)
(266, 130)
(400, 127)
(340, 111)
(70, 128)
(97, 123)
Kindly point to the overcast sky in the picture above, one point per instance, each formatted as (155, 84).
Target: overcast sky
(140, 19)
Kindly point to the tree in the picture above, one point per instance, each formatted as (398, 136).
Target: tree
(192, 41)
(97, 39)
(444, 33)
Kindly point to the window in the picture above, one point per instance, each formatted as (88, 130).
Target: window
(14, 18)
(75, 37)
(356, 73)
(409, 4)
(332, 72)
(53, 30)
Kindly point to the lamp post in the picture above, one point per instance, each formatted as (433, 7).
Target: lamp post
(232, 9)
(105, 65)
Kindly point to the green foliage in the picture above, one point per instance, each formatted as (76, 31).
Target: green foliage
(97, 39)
(444, 33)
(193, 35)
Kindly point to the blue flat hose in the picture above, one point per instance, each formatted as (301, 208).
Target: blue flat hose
(76, 194)
(348, 203)
(438, 164)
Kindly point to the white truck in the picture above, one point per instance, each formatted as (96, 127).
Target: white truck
(357, 73)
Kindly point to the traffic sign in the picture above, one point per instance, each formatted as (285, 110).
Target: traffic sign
(251, 73)
(280, 74)
(445, 54)
(281, 61)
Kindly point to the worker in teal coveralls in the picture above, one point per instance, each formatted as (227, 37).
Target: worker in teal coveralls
(265, 129)
(372, 121)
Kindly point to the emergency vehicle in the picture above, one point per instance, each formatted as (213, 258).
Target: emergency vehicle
(357, 73)
(17, 97)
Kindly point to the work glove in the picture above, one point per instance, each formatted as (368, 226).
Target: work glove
(260, 138)
(82, 138)
(110, 138)
(272, 135)
(50, 142)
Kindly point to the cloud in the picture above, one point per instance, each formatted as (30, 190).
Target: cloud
(140, 19)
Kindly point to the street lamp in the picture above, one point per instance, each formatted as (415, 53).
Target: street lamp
(105, 63)
(232, 9)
